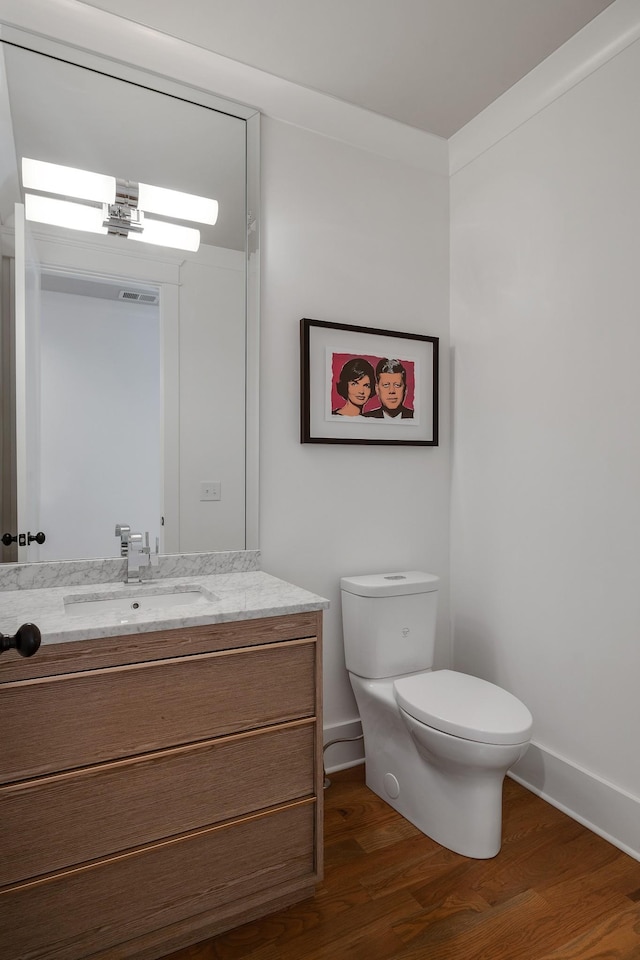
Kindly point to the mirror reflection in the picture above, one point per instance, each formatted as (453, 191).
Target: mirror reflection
(123, 363)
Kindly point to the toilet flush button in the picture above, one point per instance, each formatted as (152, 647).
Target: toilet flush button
(391, 785)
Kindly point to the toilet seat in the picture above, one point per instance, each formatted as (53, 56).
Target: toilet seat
(464, 706)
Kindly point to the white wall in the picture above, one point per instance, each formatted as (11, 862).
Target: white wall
(546, 471)
(351, 237)
(212, 347)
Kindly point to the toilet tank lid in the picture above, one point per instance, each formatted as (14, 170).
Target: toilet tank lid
(390, 584)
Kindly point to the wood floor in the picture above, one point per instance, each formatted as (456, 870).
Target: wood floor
(555, 891)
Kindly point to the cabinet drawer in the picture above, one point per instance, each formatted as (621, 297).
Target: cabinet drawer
(43, 823)
(94, 908)
(75, 720)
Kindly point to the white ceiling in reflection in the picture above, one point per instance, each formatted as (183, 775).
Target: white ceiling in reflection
(70, 115)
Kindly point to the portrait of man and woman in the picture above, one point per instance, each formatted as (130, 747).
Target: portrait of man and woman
(382, 388)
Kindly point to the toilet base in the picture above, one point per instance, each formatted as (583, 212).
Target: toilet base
(456, 802)
(472, 828)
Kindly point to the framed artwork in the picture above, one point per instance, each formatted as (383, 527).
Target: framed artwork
(363, 385)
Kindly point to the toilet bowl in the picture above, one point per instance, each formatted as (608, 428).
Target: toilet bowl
(437, 743)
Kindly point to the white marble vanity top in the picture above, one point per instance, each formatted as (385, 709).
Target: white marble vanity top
(68, 613)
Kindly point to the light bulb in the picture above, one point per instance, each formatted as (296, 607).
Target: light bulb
(64, 213)
(67, 181)
(173, 203)
(168, 235)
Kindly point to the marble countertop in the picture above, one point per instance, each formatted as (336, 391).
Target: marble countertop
(68, 613)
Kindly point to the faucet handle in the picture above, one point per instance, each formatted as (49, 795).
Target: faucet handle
(123, 531)
(153, 557)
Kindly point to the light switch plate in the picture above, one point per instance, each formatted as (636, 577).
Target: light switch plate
(210, 490)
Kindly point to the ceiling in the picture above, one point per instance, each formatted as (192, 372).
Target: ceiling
(432, 64)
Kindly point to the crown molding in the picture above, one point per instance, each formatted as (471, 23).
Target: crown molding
(117, 39)
(599, 41)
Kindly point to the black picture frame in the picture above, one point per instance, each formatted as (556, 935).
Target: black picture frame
(366, 385)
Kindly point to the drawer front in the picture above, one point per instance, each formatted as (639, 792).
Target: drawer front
(75, 720)
(76, 914)
(43, 823)
(80, 655)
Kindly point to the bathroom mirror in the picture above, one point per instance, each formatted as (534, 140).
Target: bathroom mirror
(129, 369)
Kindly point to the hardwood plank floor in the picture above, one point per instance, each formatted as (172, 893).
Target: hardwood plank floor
(555, 891)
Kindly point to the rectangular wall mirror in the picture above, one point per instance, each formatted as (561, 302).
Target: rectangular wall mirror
(130, 333)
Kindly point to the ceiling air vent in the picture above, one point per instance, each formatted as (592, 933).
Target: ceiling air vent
(135, 296)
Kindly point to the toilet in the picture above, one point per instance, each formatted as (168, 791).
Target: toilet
(437, 743)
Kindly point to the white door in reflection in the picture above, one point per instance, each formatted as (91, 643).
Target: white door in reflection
(100, 424)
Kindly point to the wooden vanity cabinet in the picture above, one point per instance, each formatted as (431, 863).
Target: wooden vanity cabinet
(159, 788)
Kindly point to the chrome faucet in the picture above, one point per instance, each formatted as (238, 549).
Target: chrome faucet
(137, 555)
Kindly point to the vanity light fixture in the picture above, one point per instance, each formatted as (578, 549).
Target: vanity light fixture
(67, 181)
(174, 203)
(64, 213)
(168, 235)
(113, 206)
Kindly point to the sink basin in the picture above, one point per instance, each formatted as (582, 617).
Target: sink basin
(130, 603)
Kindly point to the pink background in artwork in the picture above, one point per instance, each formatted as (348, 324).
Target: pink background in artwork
(338, 360)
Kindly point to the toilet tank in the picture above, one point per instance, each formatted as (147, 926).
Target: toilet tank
(389, 623)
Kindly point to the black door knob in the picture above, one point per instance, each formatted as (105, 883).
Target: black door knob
(26, 640)
(38, 537)
(7, 539)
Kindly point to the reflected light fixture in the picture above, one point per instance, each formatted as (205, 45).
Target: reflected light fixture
(113, 206)
(67, 181)
(63, 213)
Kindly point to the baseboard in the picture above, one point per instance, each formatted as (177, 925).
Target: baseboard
(600, 806)
(340, 756)
(610, 812)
